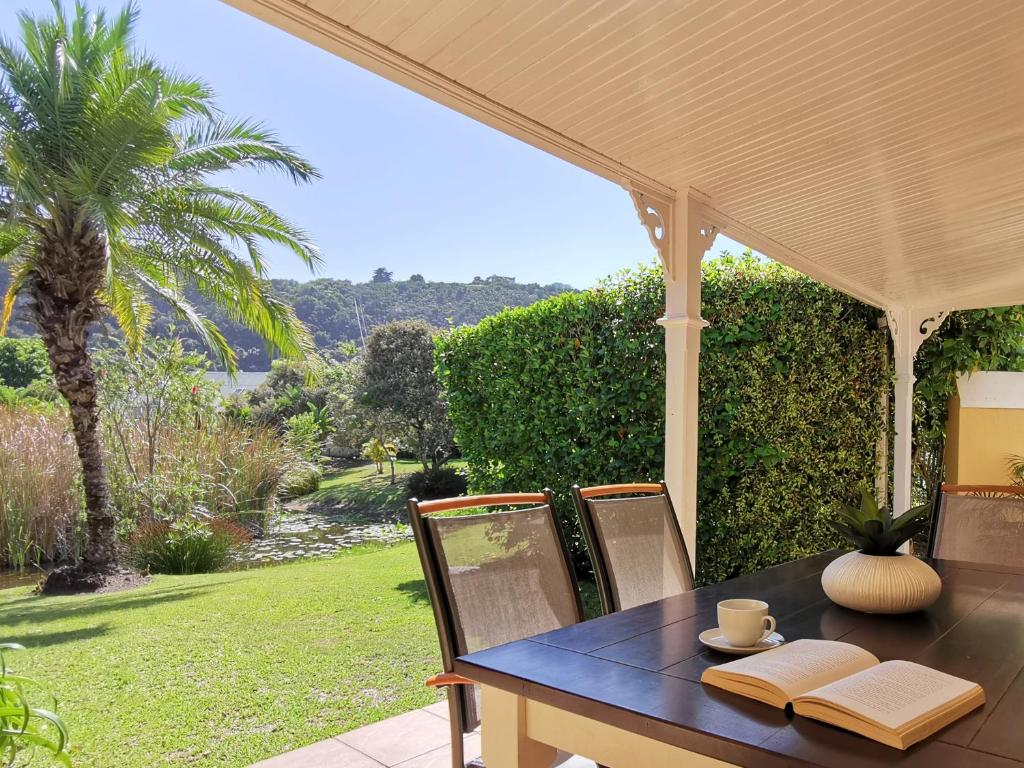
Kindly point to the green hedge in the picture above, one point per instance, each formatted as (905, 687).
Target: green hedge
(571, 389)
(971, 340)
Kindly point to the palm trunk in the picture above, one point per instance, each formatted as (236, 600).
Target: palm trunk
(77, 383)
(64, 304)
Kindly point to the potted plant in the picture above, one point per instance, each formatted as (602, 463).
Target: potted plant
(878, 578)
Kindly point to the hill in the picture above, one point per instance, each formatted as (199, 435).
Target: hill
(329, 308)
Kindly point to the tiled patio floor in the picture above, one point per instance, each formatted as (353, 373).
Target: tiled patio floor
(417, 739)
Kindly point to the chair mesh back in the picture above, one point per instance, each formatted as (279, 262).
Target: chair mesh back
(641, 548)
(976, 529)
(505, 577)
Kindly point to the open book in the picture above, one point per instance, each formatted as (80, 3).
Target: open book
(895, 702)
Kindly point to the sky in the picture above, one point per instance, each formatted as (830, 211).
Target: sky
(407, 184)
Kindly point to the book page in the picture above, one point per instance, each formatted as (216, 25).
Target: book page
(802, 665)
(896, 693)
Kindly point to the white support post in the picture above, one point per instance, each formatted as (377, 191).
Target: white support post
(909, 329)
(681, 232)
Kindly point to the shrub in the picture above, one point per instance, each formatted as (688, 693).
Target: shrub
(40, 491)
(167, 457)
(247, 465)
(23, 361)
(292, 388)
(441, 483)
(25, 726)
(36, 397)
(571, 390)
(302, 479)
(306, 433)
(184, 546)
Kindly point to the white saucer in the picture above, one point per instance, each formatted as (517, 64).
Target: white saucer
(713, 638)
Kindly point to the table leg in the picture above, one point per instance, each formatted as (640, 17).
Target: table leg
(505, 742)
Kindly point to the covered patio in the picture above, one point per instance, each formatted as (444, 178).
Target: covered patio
(876, 147)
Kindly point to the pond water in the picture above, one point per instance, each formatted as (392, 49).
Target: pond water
(314, 534)
(27, 578)
(294, 535)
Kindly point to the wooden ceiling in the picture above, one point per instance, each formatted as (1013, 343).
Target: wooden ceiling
(881, 141)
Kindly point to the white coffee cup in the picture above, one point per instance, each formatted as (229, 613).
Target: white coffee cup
(745, 622)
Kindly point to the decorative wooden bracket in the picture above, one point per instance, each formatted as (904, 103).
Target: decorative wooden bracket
(910, 328)
(655, 214)
(658, 215)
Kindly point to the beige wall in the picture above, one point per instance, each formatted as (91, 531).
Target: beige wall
(981, 439)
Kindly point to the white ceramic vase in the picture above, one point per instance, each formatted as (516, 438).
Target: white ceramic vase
(881, 583)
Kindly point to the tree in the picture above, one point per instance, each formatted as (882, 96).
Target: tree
(329, 309)
(108, 199)
(144, 400)
(374, 450)
(382, 275)
(145, 396)
(356, 421)
(399, 376)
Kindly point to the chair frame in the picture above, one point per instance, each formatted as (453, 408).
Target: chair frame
(609, 604)
(990, 491)
(444, 614)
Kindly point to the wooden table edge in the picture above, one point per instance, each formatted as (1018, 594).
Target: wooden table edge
(714, 747)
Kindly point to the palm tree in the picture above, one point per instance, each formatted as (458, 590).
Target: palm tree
(108, 202)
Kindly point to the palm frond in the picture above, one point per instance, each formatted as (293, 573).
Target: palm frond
(222, 212)
(130, 309)
(13, 240)
(219, 145)
(18, 277)
(251, 302)
(207, 331)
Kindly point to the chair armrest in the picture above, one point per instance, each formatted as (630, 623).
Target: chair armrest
(448, 678)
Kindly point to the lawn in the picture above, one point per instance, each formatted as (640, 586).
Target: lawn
(370, 497)
(229, 668)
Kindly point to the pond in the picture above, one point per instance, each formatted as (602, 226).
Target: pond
(314, 534)
(294, 535)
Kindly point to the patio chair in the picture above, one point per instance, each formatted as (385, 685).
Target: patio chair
(492, 577)
(979, 524)
(635, 543)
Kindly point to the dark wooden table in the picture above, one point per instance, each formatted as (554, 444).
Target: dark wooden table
(635, 675)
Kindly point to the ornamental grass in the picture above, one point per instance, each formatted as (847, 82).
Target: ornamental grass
(40, 494)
